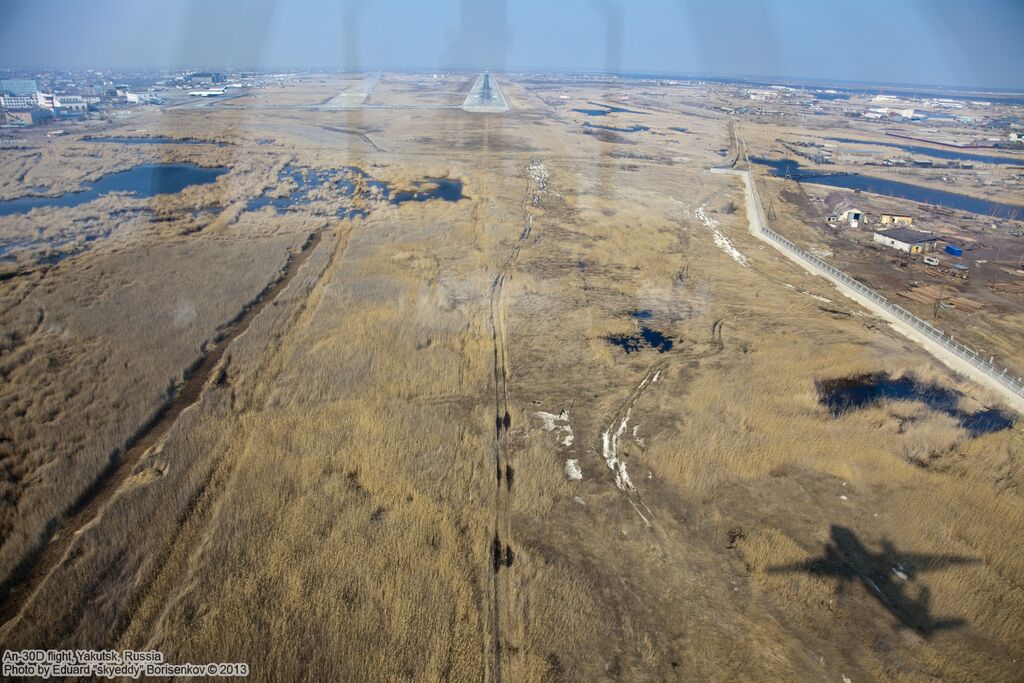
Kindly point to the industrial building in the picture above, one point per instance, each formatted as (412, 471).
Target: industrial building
(206, 78)
(17, 101)
(906, 239)
(26, 117)
(841, 210)
(19, 86)
(69, 104)
(846, 214)
(142, 98)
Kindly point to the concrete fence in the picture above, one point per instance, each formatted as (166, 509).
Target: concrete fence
(969, 355)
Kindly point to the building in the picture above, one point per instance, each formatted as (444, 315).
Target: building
(143, 98)
(206, 78)
(70, 103)
(841, 210)
(18, 86)
(17, 101)
(846, 214)
(26, 117)
(906, 239)
(897, 219)
(849, 215)
(44, 100)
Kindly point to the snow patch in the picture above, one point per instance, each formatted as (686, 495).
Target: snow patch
(815, 296)
(572, 470)
(538, 174)
(721, 240)
(557, 423)
(610, 451)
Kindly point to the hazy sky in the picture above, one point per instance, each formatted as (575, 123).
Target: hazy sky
(956, 42)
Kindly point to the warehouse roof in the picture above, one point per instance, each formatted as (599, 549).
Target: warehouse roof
(909, 235)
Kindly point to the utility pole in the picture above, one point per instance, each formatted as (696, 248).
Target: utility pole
(938, 303)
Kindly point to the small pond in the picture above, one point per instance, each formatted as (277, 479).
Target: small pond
(345, 182)
(153, 140)
(146, 180)
(847, 394)
(646, 337)
(636, 128)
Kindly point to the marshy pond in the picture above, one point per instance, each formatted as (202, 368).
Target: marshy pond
(846, 394)
(143, 181)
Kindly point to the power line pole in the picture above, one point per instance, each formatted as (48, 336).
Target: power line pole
(938, 302)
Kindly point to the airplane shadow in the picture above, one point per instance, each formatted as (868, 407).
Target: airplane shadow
(888, 576)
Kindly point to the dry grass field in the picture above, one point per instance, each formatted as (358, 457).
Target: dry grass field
(422, 459)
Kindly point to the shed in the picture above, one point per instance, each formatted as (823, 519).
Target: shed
(954, 250)
(897, 219)
(844, 213)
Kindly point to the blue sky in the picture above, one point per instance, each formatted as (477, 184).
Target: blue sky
(950, 42)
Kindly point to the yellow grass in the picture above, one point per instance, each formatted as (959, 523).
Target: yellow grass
(326, 510)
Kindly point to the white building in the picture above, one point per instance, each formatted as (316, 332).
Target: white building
(70, 103)
(142, 97)
(843, 213)
(17, 101)
(905, 239)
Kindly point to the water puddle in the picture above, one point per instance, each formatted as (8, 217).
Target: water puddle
(144, 181)
(152, 140)
(350, 182)
(636, 128)
(606, 109)
(926, 195)
(846, 394)
(448, 189)
(636, 342)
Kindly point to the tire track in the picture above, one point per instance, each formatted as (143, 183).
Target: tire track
(610, 442)
(618, 426)
(34, 570)
(502, 555)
